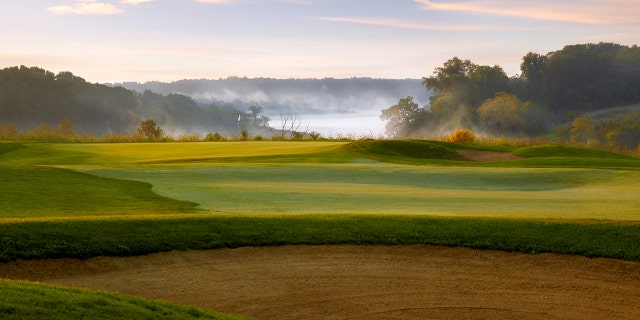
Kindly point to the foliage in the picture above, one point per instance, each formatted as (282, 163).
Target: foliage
(464, 136)
(314, 135)
(403, 118)
(25, 300)
(506, 114)
(244, 135)
(32, 97)
(214, 137)
(557, 88)
(150, 131)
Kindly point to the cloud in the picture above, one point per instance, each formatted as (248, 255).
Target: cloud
(410, 25)
(94, 7)
(586, 12)
(134, 2)
(220, 1)
(86, 7)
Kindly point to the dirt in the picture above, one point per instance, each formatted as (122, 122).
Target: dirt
(482, 155)
(362, 282)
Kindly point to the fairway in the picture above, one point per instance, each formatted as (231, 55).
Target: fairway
(290, 177)
(382, 188)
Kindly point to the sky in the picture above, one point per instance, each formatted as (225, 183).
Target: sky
(168, 40)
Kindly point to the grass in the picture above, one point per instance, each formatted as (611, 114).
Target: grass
(129, 237)
(25, 300)
(29, 191)
(417, 152)
(528, 193)
(85, 200)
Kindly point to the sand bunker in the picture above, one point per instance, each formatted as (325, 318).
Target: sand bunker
(362, 282)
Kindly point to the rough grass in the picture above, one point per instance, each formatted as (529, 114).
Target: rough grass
(25, 300)
(30, 191)
(127, 237)
(417, 152)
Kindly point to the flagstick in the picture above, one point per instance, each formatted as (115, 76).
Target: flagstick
(238, 123)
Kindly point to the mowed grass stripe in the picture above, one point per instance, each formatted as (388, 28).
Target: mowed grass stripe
(397, 189)
(132, 153)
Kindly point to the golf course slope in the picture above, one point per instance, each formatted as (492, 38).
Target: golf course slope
(406, 229)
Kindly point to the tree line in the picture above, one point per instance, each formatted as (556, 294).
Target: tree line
(38, 104)
(560, 95)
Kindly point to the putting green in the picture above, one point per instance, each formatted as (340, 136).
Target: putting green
(267, 177)
(396, 189)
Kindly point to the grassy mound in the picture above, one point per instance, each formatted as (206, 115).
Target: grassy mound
(573, 152)
(30, 191)
(403, 151)
(420, 152)
(24, 300)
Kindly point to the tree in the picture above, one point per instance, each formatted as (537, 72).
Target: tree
(403, 118)
(452, 76)
(581, 130)
(534, 73)
(66, 128)
(485, 82)
(504, 113)
(150, 131)
(255, 117)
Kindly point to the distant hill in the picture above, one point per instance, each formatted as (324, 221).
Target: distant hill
(31, 97)
(300, 96)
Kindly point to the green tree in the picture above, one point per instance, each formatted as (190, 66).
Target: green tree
(403, 118)
(504, 113)
(255, 117)
(485, 82)
(150, 131)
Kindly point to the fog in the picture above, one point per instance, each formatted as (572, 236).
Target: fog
(332, 107)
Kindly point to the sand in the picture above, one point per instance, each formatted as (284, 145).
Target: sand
(361, 282)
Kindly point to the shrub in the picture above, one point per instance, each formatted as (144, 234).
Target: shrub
(214, 137)
(244, 135)
(462, 136)
(314, 135)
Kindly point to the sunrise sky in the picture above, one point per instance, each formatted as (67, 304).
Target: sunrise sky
(143, 40)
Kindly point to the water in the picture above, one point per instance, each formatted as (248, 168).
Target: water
(339, 125)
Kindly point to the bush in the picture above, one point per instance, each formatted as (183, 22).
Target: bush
(314, 135)
(462, 136)
(214, 137)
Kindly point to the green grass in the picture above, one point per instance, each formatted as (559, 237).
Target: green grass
(127, 237)
(381, 188)
(86, 200)
(417, 152)
(25, 300)
(36, 191)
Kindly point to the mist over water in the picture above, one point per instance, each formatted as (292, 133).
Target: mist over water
(364, 124)
(333, 107)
